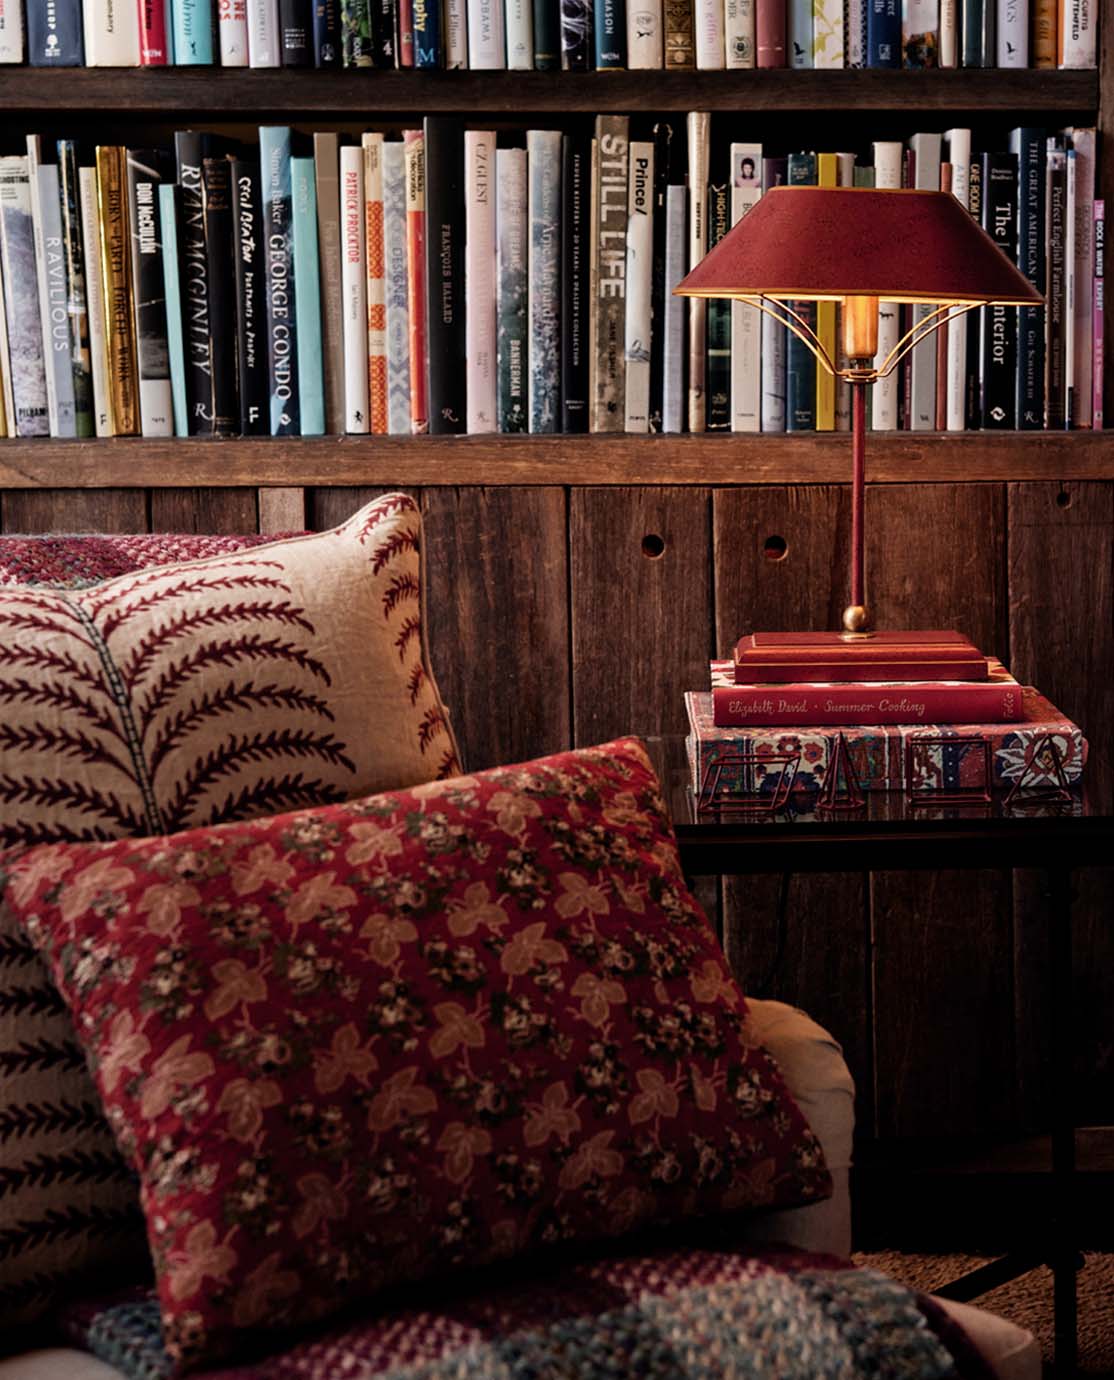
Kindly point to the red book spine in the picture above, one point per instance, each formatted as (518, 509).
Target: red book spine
(405, 33)
(415, 262)
(152, 33)
(986, 702)
(1097, 348)
(769, 32)
(808, 671)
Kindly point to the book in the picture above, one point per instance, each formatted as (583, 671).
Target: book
(11, 41)
(116, 271)
(1076, 40)
(1083, 147)
(947, 52)
(404, 33)
(645, 35)
(800, 364)
(674, 345)
(738, 34)
(327, 42)
(1098, 349)
(639, 284)
(774, 335)
(282, 330)
(486, 47)
(607, 362)
(511, 252)
(957, 143)
(444, 241)
(999, 324)
(220, 258)
(427, 33)
(7, 396)
(193, 33)
(543, 157)
(326, 165)
(609, 33)
(518, 17)
(175, 348)
(926, 150)
(54, 36)
(887, 156)
(762, 657)
(232, 33)
(770, 33)
(1044, 31)
(154, 47)
(1055, 320)
(699, 133)
(376, 284)
(397, 289)
(576, 238)
(156, 399)
(1070, 199)
(73, 249)
(883, 33)
(827, 175)
(547, 34)
(680, 48)
(879, 752)
(576, 34)
(296, 33)
(994, 700)
(920, 20)
(193, 265)
(354, 289)
(798, 33)
(1012, 33)
(53, 297)
(828, 37)
(307, 299)
(663, 174)
(974, 318)
(264, 43)
(1027, 145)
(383, 29)
(94, 299)
(707, 26)
(111, 33)
(479, 280)
(21, 301)
(355, 30)
(416, 277)
(746, 321)
(717, 359)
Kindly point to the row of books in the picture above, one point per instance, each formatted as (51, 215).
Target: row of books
(446, 282)
(574, 35)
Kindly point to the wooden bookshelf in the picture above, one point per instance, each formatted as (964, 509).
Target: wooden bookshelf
(805, 458)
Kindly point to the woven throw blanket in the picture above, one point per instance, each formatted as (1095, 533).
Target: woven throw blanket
(76, 562)
(665, 1315)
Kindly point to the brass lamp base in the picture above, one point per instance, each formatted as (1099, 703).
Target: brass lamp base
(856, 622)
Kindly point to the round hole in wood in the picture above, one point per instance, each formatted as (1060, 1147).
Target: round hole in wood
(1063, 499)
(653, 546)
(775, 549)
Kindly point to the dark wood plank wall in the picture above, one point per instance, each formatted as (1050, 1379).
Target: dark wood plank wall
(569, 615)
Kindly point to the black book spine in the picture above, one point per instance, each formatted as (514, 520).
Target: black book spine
(74, 248)
(974, 318)
(193, 272)
(576, 35)
(54, 31)
(326, 33)
(145, 175)
(547, 35)
(663, 150)
(1030, 149)
(972, 32)
(216, 187)
(444, 181)
(296, 29)
(999, 335)
(383, 20)
(717, 357)
(576, 233)
(251, 320)
(1056, 323)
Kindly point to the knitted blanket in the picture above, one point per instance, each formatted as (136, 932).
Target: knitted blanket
(689, 1314)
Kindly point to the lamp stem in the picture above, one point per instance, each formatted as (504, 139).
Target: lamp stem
(856, 619)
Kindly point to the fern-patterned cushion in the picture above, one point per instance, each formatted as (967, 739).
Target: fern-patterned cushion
(362, 1044)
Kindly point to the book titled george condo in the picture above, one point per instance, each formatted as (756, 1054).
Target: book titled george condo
(282, 337)
(444, 182)
(764, 657)
(353, 232)
(414, 141)
(251, 312)
(168, 227)
(220, 257)
(156, 399)
(94, 297)
(576, 34)
(639, 284)
(21, 300)
(296, 32)
(479, 279)
(511, 255)
(73, 249)
(609, 30)
(994, 700)
(576, 226)
(543, 158)
(609, 265)
(54, 33)
(307, 299)
(397, 287)
(116, 268)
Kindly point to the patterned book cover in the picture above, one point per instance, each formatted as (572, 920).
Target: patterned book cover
(307, 299)
(74, 250)
(511, 251)
(54, 33)
(95, 303)
(746, 321)
(883, 33)
(21, 302)
(609, 259)
(576, 35)
(397, 286)
(543, 157)
(480, 321)
(639, 281)
(282, 330)
(193, 33)
(220, 252)
(116, 270)
(680, 45)
(193, 264)
(376, 284)
(414, 141)
(156, 398)
(828, 39)
(576, 239)
(444, 184)
(353, 220)
(251, 329)
(878, 752)
(355, 26)
(168, 226)
(326, 162)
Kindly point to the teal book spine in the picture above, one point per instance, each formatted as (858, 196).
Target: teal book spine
(168, 224)
(799, 18)
(307, 298)
(193, 33)
(800, 365)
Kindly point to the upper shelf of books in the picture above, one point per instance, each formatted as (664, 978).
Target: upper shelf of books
(251, 94)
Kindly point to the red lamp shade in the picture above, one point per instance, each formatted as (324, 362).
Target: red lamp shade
(802, 243)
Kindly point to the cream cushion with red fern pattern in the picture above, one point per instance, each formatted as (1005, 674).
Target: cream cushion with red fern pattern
(224, 688)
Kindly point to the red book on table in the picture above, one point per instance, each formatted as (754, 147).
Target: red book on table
(794, 657)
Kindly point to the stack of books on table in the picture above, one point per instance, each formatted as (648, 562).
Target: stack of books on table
(879, 694)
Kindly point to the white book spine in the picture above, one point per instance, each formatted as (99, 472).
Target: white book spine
(376, 284)
(738, 33)
(673, 400)
(926, 152)
(11, 50)
(645, 35)
(519, 16)
(486, 49)
(456, 34)
(773, 375)
(479, 278)
(958, 143)
(94, 301)
(948, 46)
(354, 288)
(263, 33)
(1078, 22)
(7, 393)
(21, 305)
(232, 30)
(35, 192)
(746, 321)
(639, 281)
(1083, 243)
(398, 288)
(827, 33)
(888, 160)
(845, 173)
(111, 33)
(1013, 33)
(1071, 220)
(698, 127)
(708, 33)
(543, 156)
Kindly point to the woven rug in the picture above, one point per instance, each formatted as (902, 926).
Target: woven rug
(1026, 1301)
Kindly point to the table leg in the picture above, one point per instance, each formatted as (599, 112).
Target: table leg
(1064, 1253)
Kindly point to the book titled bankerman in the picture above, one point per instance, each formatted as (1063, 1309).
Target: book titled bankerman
(765, 657)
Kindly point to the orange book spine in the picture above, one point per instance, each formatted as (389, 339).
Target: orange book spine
(376, 284)
(415, 259)
(1045, 29)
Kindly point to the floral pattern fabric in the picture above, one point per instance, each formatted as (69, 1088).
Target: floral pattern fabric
(367, 1043)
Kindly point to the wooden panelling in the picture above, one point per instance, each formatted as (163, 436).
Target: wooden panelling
(496, 600)
(74, 510)
(330, 507)
(204, 510)
(641, 608)
(282, 510)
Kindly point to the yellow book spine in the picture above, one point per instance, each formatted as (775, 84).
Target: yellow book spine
(118, 290)
(1045, 28)
(827, 175)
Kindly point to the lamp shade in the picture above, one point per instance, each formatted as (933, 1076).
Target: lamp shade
(825, 243)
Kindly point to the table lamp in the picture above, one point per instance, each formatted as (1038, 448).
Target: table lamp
(857, 246)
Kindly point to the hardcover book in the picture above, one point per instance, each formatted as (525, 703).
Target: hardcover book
(384, 33)
(746, 321)
(774, 335)
(1028, 147)
(11, 32)
(193, 33)
(456, 35)
(416, 278)
(770, 33)
(639, 284)
(1055, 308)
(168, 227)
(376, 284)
(609, 29)
(54, 33)
(511, 241)
(674, 345)
(699, 134)
(156, 399)
(663, 174)
(296, 33)
(479, 279)
(927, 150)
(547, 36)
(263, 33)
(738, 33)
(999, 324)
(543, 158)
(1083, 148)
(116, 269)
(111, 29)
(50, 258)
(21, 301)
(232, 32)
(828, 38)
(74, 251)
(519, 19)
(220, 256)
(576, 238)
(326, 164)
(717, 364)
(958, 145)
(800, 365)
(883, 33)
(355, 25)
(95, 302)
(282, 333)
(153, 37)
(486, 48)
(427, 33)
(307, 299)
(609, 263)
(763, 657)
(193, 264)
(444, 231)
(576, 34)
(798, 33)
(397, 285)
(645, 35)
(711, 53)
(680, 50)
(251, 326)
(354, 289)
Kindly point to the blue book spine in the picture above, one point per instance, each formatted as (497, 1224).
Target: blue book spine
(193, 33)
(427, 33)
(168, 225)
(800, 364)
(883, 33)
(54, 33)
(282, 326)
(610, 34)
(171, 25)
(307, 299)
(326, 33)
(799, 24)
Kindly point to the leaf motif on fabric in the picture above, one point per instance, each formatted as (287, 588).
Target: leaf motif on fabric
(400, 1097)
(593, 1159)
(262, 867)
(553, 1118)
(457, 1027)
(174, 1070)
(236, 985)
(474, 909)
(202, 1257)
(530, 946)
(578, 896)
(244, 1101)
(123, 1050)
(597, 997)
(460, 1144)
(655, 1099)
(346, 1058)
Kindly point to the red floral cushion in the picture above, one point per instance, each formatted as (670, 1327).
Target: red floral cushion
(366, 1043)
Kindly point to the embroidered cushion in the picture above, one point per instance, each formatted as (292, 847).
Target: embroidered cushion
(365, 1043)
(76, 562)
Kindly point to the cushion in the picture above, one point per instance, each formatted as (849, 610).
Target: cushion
(259, 679)
(365, 1043)
(76, 562)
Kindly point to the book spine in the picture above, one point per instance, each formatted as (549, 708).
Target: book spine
(296, 33)
(974, 318)
(948, 51)
(543, 156)
(711, 53)
(21, 301)
(193, 33)
(54, 299)
(376, 284)
(76, 308)
(799, 33)
(54, 33)
(738, 33)
(663, 161)
(673, 352)
(486, 49)
(479, 279)
(884, 402)
(1098, 299)
(920, 22)
(111, 30)
(94, 298)
(1083, 147)
(973, 50)
(220, 256)
(698, 130)
(1055, 324)
(518, 17)
(326, 164)
(444, 181)
(176, 353)
(307, 299)
(404, 32)
(800, 365)
(354, 289)
(1076, 46)
(153, 46)
(645, 34)
(547, 33)
(610, 261)
(576, 234)
(883, 33)
(827, 175)
(1069, 287)
(7, 392)
(426, 15)
(717, 370)
(926, 151)
(999, 342)
(1028, 146)
(511, 286)
(264, 48)
(356, 39)
(786, 705)
(116, 271)
(232, 32)
(680, 48)
(1044, 33)
(770, 33)
(398, 315)
(639, 285)
(1012, 33)
(609, 34)
(282, 336)
(456, 34)
(11, 42)
(576, 34)
(251, 356)
(194, 269)
(854, 23)
(746, 321)
(773, 335)
(828, 40)
(958, 143)
(416, 278)
(156, 398)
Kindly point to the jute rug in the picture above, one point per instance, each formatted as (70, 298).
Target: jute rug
(1026, 1301)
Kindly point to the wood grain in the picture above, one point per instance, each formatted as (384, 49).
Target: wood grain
(282, 510)
(220, 511)
(74, 510)
(497, 618)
